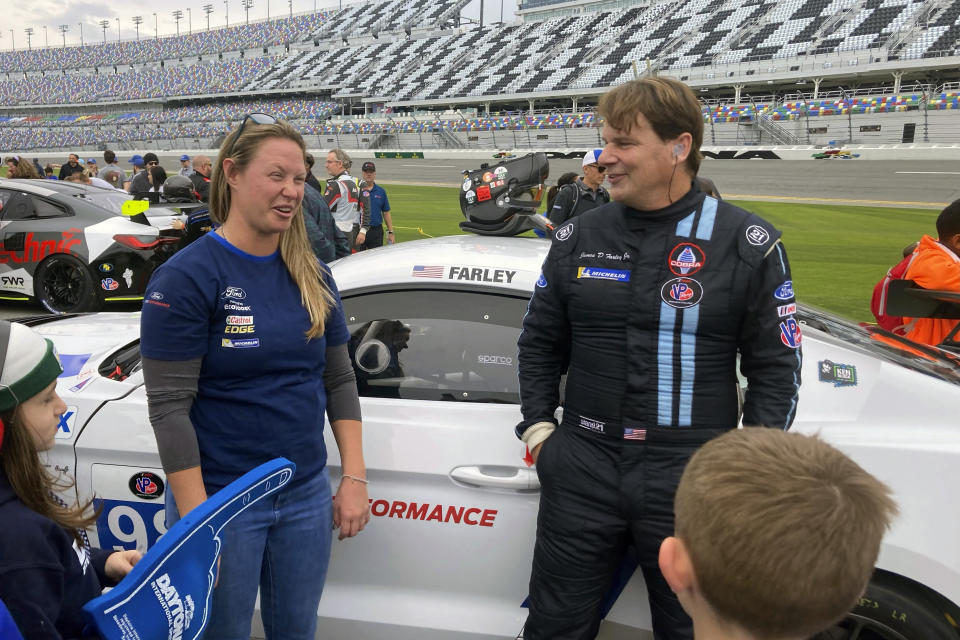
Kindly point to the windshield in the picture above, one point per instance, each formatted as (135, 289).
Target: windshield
(932, 361)
(112, 201)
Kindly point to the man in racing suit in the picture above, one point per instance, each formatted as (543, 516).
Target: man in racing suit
(349, 207)
(644, 304)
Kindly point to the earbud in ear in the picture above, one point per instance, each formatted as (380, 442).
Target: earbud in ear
(677, 150)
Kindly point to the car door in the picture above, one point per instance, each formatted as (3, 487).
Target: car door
(453, 502)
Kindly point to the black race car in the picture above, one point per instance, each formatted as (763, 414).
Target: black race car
(70, 247)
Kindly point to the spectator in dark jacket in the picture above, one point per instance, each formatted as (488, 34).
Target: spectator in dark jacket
(580, 195)
(312, 179)
(328, 242)
(73, 166)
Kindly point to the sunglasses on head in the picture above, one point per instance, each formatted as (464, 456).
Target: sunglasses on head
(258, 118)
(599, 168)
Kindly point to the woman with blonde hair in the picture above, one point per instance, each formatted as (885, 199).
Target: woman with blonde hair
(24, 169)
(244, 349)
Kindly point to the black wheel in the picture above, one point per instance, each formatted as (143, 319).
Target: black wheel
(892, 609)
(64, 285)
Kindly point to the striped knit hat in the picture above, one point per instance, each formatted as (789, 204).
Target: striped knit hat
(28, 363)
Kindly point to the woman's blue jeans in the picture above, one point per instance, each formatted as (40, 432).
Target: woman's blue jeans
(282, 545)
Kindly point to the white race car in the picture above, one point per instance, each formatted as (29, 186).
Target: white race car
(434, 326)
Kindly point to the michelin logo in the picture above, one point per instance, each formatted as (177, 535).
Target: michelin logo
(593, 273)
(240, 343)
(179, 612)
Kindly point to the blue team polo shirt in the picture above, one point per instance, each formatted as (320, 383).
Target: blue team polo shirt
(378, 204)
(260, 391)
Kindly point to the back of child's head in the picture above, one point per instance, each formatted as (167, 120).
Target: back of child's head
(782, 530)
(948, 222)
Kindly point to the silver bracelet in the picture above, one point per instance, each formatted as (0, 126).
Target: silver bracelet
(363, 480)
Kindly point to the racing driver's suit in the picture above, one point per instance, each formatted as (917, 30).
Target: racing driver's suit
(645, 312)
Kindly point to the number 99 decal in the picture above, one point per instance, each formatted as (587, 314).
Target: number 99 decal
(129, 525)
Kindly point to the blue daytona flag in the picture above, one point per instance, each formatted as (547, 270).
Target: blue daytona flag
(167, 595)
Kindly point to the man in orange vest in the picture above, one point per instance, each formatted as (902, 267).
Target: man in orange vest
(937, 266)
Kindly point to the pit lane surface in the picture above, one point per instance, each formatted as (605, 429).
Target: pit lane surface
(921, 183)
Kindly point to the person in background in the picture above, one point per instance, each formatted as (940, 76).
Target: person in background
(72, 166)
(49, 173)
(201, 177)
(36, 165)
(91, 167)
(24, 170)
(349, 208)
(140, 182)
(136, 161)
(48, 569)
(376, 196)
(567, 178)
(793, 515)
(312, 179)
(185, 169)
(110, 163)
(936, 266)
(582, 194)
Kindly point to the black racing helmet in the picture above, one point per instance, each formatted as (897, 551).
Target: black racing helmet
(179, 189)
(499, 199)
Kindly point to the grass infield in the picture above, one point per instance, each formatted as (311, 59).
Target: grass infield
(837, 253)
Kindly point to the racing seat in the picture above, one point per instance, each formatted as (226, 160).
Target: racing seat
(905, 298)
(502, 199)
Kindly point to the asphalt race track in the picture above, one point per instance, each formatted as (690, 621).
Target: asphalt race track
(924, 183)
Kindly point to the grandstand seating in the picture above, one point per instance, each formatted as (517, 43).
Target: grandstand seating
(313, 117)
(338, 53)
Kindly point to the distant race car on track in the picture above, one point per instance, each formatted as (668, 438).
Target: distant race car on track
(454, 496)
(70, 248)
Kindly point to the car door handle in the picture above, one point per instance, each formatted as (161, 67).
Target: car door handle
(497, 477)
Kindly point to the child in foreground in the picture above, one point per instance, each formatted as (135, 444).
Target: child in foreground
(776, 536)
(48, 570)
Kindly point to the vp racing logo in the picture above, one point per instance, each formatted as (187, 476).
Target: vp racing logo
(681, 293)
(179, 612)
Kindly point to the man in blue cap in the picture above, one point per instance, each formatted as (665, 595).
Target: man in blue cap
(137, 161)
(185, 169)
(582, 194)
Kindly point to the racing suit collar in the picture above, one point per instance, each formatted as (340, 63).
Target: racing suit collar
(637, 219)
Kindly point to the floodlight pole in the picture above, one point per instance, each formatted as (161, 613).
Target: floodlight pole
(46, 42)
(208, 9)
(29, 32)
(63, 32)
(13, 42)
(136, 23)
(226, 8)
(156, 27)
(189, 21)
(81, 33)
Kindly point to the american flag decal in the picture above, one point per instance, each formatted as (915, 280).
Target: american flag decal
(427, 271)
(634, 434)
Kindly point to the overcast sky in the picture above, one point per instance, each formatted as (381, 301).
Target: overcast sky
(37, 14)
